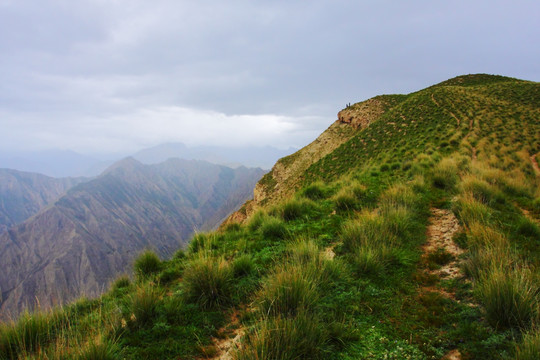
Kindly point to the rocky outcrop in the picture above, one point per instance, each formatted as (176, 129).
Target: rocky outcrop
(360, 115)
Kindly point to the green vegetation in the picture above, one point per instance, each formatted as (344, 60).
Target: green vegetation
(339, 270)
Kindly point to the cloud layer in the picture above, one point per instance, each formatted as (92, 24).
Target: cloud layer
(98, 76)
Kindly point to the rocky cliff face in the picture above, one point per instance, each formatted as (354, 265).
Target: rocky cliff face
(23, 194)
(91, 235)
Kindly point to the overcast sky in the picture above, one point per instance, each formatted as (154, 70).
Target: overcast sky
(98, 76)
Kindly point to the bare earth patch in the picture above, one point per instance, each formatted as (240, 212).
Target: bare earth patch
(229, 339)
(443, 225)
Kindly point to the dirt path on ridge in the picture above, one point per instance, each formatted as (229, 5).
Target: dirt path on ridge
(440, 231)
(443, 224)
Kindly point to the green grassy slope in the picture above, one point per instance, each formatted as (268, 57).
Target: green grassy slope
(339, 269)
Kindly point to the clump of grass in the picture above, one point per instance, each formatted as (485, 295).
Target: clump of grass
(30, 332)
(369, 260)
(304, 251)
(202, 241)
(399, 195)
(144, 304)
(488, 249)
(315, 191)
(287, 291)
(243, 265)
(346, 200)
(369, 229)
(285, 338)
(516, 184)
(296, 208)
(100, 349)
(397, 220)
(147, 264)
(121, 283)
(471, 211)
(509, 297)
(256, 220)
(529, 348)
(232, 227)
(528, 227)
(445, 174)
(273, 228)
(481, 190)
(208, 281)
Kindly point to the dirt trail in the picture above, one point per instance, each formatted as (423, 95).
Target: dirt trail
(229, 339)
(455, 117)
(473, 153)
(435, 101)
(443, 224)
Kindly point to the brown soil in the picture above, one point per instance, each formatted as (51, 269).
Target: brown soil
(443, 225)
(229, 339)
(452, 355)
(435, 101)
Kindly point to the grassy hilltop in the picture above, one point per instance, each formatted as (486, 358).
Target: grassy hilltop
(408, 230)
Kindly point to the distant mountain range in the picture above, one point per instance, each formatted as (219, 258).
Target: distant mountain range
(65, 163)
(77, 244)
(23, 194)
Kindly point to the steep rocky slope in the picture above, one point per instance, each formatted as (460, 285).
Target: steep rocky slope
(91, 234)
(23, 194)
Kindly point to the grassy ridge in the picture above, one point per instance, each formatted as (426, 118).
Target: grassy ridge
(337, 271)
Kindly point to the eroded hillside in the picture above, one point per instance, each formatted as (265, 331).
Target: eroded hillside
(414, 237)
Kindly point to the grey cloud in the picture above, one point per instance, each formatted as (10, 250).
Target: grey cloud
(76, 72)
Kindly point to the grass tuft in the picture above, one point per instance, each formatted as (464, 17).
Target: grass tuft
(147, 264)
(509, 297)
(283, 338)
(208, 281)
